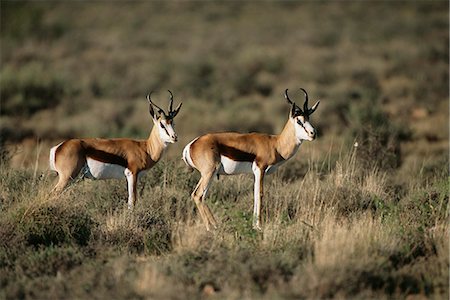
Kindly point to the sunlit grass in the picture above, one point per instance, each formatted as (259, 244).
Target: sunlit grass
(339, 221)
(344, 234)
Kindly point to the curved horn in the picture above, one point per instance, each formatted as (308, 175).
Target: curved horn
(310, 111)
(150, 106)
(287, 97)
(171, 101)
(295, 110)
(305, 105)
(160, 110)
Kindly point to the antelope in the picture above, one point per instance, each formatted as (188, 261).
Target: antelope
(115, 158)
(230, 153)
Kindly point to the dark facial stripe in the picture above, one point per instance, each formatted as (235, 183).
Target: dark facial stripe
(236, 154)
(164, 127)
(301, 124)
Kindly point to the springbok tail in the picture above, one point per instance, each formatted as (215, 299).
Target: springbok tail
(52, 157)
(187, 156)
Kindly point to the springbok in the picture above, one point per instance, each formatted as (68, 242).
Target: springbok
(231, 153)
(115, 158)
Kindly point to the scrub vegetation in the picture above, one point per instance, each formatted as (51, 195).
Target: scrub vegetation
(361, 212)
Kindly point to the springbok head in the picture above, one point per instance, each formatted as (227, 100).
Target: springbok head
(300, 118)
(163, 121)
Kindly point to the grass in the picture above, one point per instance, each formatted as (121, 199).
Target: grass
(343, 234)
(340, 221)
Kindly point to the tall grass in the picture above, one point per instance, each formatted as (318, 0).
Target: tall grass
(344, 233)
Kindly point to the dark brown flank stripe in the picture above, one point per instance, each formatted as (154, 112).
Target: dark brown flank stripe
(235, 154)
(105, 157)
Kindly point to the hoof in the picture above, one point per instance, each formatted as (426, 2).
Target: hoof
(211, 228)
(257, 227)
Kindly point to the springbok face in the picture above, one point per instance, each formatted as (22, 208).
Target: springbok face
(166, 130)
(164, 122)
(300, 118)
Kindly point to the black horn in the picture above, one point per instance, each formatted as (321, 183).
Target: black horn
(160, 110)
(173, 113)
(295, 111)
(305, 105)
(171, 101)
(287, 97)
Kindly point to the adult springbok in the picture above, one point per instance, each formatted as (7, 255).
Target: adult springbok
(231, 153)
(115, 158)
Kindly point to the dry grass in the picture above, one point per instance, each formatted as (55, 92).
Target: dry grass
(339, 221)
(343, 235)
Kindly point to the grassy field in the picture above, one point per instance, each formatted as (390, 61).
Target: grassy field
(340, 221)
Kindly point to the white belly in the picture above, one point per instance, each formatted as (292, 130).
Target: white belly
(231, 167)
(101, 170)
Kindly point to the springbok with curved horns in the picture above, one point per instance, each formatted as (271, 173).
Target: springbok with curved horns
(231, 153)
(115, 158)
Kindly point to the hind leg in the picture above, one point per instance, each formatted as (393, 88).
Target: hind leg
(65, 178)
(199, 195)
(206, 159)
(68, 164)
(208, 212)
(63, 181)
(196, 196)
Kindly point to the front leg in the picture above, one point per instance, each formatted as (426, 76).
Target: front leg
(258, 195)
(132, 187)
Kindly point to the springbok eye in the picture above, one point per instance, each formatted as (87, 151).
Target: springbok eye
(299, 122)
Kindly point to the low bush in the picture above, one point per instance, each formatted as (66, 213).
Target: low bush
(377, 137)
(54, 224)
(30, 89)
(48, 261)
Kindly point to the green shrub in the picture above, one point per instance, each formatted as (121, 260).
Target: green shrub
(426, 207)
(24, 20)
(377, 136)
(250, 64)
(124, 238)
(53, 224)
(30, 89)
(12, 242)
(48, 260)
(157, 231)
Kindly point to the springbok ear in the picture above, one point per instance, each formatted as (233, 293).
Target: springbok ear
(154, 115)
(152, 111)
(295, 110)
(313, 109)
(175, 112)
